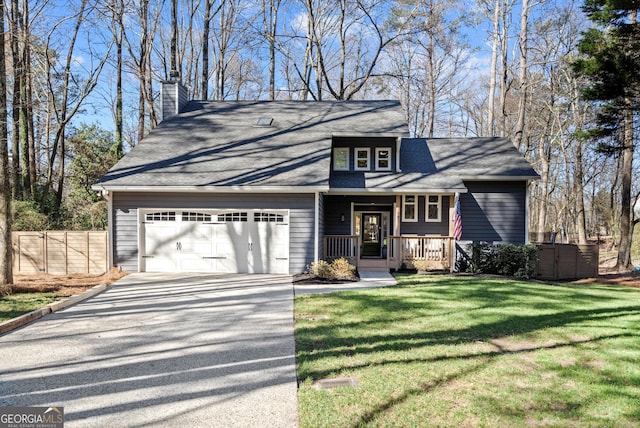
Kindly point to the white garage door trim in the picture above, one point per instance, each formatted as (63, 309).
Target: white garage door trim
(214, 240)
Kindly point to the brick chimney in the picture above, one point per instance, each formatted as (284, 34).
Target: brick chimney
(173, 97)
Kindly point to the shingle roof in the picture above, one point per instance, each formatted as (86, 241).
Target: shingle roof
(222, 144)
(287, 144)
(480, 158)
(441, 165)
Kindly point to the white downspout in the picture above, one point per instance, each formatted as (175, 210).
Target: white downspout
(316, 227)
(109, 198)
(526, 213)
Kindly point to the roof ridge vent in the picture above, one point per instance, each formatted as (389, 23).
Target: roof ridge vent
(264, 121)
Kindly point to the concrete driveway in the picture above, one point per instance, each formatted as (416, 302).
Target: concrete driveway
(162, 350)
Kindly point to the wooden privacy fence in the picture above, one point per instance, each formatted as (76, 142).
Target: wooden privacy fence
(567, 261)
(60, 252)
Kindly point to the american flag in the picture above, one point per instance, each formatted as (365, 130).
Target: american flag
(457, 221)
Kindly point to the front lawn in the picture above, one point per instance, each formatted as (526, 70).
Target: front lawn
(31, 292)
(14, 305)
(469, 351)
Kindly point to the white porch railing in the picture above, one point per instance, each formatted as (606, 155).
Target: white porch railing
(431, 252)
(347, 246)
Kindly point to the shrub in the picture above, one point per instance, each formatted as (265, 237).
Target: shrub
(504, 259)
(429, 265)
(321, 269)
(342, 269)
(338, 269)
(27, 216)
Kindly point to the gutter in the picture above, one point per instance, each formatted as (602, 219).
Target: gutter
(210, 189)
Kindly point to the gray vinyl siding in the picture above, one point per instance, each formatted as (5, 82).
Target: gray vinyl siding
(422, 227)
(174, 97)
(494, 211)
(125, 219)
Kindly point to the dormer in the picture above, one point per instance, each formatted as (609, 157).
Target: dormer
(365, 154)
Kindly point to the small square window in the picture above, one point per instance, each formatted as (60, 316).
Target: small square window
(383, 159)
(341, 159)
(362, 159)
(409, 208)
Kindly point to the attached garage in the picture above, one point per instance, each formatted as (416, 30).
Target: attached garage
(219, 241)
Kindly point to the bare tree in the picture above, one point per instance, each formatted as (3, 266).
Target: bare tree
(270, 10)
(344, 42)
(6, 274)
(71, 92)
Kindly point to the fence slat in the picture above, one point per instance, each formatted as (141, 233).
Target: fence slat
(567, 261)
(60, 252)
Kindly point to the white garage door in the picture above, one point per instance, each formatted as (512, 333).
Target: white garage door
(240, 241)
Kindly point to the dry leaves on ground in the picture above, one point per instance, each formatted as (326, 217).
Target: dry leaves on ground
(65, 285)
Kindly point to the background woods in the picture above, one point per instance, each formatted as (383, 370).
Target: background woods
(82, 88)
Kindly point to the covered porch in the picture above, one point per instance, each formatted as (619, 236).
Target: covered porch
(421, 252)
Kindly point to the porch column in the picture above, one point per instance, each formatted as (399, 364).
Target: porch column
(396, 214)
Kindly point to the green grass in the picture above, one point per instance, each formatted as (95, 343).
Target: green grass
(14, 305)
(465, 351)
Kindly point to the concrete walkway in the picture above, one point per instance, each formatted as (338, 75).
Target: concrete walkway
(162, 350)
(367, 280)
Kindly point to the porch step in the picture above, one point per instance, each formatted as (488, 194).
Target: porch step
(373, 269)
(377, 278)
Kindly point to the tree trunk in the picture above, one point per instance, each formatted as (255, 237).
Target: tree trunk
(119, 148)
(624, 249)
(205, 49)
(504, 69)
(494, 65)
(24, 103)
(173, 72)
(16, 57)
(544, 190)
(523, 82)
(142, 67)
(6, 273)
(578, 188)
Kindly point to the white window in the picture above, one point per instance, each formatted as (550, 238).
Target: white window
(261, 217)
(383, 159)
(189, 216)
(341, 159)
(432, 209)
(362, 159)
(233, 217)
(409, 208)
(161, 216)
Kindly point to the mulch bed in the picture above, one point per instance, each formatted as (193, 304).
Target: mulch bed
(64, 285)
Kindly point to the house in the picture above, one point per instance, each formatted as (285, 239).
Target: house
(271, 186)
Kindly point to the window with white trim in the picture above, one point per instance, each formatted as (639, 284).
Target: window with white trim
(261, 217)
(363, 159)
(433, 208)
(341, 159)
(409, 208)
(161, 216)
(195, 216)
(233, 217)
(383, 159)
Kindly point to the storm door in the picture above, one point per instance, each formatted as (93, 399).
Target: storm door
(371, 235)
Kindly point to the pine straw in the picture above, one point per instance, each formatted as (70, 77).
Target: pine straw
(64, 285)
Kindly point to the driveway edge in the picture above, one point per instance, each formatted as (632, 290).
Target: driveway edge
(17, 322)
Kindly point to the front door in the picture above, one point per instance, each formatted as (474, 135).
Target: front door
(371, 235)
